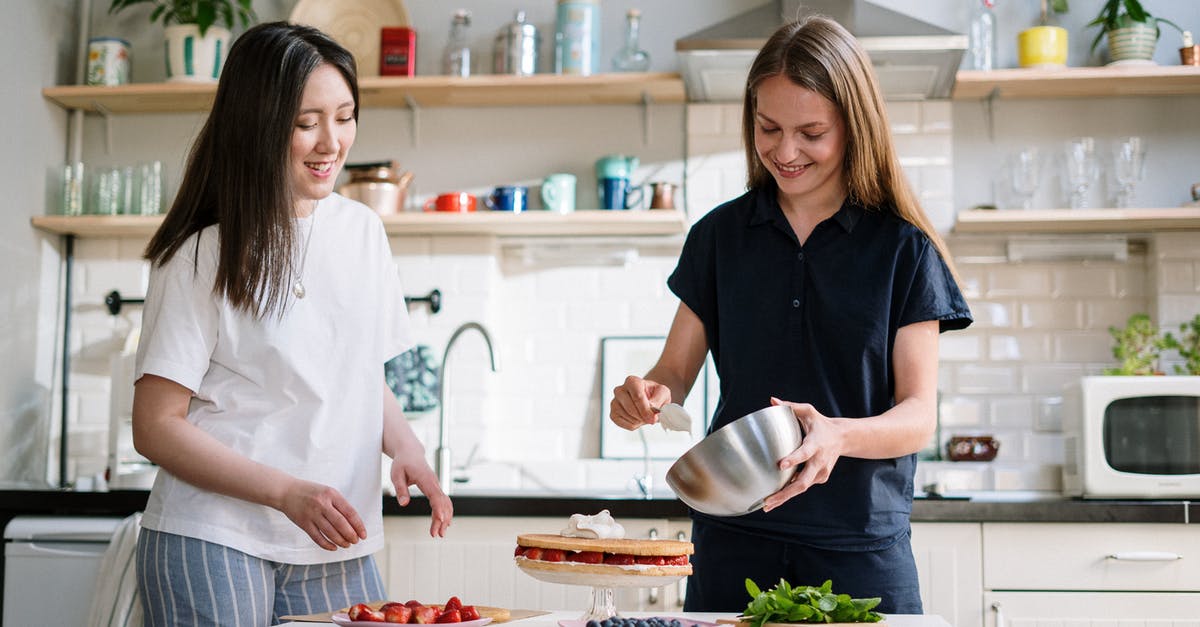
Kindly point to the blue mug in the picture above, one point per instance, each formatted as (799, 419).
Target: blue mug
(617, 193)
(514, 198)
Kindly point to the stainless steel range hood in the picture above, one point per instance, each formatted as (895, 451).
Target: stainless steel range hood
(914, 60)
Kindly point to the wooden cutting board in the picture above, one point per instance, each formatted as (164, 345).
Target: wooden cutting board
(737, 622)
(497, 614)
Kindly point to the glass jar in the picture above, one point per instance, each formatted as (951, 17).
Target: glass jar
(456, 60)
(631, 58)
(981, 46)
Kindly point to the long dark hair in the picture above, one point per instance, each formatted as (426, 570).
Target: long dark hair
(237, 172)
(820, 55)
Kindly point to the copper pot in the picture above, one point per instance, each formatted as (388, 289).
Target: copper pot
(378, 186)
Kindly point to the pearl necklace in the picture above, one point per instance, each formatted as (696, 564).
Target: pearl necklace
(298, 285)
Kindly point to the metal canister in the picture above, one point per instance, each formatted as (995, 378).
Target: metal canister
(577, 37)
(517, 46)
(108, 61)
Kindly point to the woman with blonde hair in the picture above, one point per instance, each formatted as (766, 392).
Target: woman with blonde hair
(824, 285)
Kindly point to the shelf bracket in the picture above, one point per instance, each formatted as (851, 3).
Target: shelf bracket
(108, 135)
(989, 115)
(647, 100)
(413, 120)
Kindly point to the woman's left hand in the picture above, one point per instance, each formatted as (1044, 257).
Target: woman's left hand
(822, 446)
(410, 470)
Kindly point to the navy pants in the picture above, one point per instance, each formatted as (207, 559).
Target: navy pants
(724, 559)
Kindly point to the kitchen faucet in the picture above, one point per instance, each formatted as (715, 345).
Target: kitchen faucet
(442, 463)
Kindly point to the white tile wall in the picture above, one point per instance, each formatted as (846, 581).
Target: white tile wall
(536, 423)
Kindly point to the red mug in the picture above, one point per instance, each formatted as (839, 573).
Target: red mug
(456, 202)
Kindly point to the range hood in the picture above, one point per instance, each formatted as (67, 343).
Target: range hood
(913, 59)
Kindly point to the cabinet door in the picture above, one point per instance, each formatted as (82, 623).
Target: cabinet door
(950, 571)
(1092, 609)
(475, 562)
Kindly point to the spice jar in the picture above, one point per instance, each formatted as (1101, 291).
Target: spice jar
(397, 51)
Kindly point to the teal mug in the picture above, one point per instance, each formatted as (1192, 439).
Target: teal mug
(558, 193)
(616, 167)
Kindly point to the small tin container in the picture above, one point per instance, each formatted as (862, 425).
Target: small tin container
(516, 49)
(108, 61)
(397, 51)
(577, 37)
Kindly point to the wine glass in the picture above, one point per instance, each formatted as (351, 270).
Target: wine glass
(1129, 164)
(1082, 169)
(1024, 170)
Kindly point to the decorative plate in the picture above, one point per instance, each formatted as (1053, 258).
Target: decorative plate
(355, 24)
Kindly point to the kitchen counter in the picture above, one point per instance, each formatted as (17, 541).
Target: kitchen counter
(980, 507)
(552, 619)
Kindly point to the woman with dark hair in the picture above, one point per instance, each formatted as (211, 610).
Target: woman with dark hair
(272, 305)
(824, 284)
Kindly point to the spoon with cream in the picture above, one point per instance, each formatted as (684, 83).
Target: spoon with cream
(673, 417)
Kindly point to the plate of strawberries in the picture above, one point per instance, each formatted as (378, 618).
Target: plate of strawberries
(413, 613)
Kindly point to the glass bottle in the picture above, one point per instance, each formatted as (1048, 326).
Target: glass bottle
(631, 58)
(456, 61)
(981, 51)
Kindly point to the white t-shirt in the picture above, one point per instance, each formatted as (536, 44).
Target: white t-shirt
(302, 393)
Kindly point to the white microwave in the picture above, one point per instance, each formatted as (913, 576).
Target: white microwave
(1132, 437)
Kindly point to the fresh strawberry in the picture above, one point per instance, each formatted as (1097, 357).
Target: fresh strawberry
(519, 551)
(650, 560)
(554, 555)
(396, 613)
(450, 616)
(619, 559)
(358, 610)
(453, 604)
(413, 603)
(587, 557)
(468, 612)
(678, 560)
(424, 615)
(533, 553)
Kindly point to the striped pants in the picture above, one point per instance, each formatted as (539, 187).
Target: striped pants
(186, 581)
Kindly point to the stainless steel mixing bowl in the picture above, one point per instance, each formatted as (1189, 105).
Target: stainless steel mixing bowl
(730, 472)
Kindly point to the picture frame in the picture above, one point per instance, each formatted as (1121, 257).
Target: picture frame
(621, 356)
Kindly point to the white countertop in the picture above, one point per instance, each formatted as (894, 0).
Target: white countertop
(551, 619)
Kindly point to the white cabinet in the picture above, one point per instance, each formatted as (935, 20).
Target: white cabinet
(475, 562)
(950, 571)
(1091, 574)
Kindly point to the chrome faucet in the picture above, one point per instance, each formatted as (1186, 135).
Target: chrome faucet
(442, 463)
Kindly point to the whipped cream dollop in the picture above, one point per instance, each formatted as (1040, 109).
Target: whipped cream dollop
(598, 526)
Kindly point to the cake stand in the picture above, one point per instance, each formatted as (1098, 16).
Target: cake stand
(603, 602)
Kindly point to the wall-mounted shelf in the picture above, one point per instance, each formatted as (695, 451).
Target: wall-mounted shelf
(385, 91)
(1078, 82)
(532, 223)
(1078, 220)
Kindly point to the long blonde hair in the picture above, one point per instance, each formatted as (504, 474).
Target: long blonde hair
(820, 55)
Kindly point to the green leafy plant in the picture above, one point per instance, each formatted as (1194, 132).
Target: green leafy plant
(1122, 14)
(1058, 6)
(1188, 345)
(807, 604)
(203, 13)
(1138, 347)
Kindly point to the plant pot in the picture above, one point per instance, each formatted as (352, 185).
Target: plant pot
(192, 58)
(1042, 47)
(1135, 43)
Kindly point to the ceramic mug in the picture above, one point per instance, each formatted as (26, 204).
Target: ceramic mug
(514, 198)
(454, 202)
(1042, 46)
(558, 193)
(616, 166)
(617, 193)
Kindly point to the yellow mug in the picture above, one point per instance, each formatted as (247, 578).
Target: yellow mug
(1042, 47)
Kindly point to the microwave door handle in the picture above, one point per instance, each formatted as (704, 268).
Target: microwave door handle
(1145, 556)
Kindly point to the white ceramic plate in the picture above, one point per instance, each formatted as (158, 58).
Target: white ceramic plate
(355, 24)
(685, 622)
(342, 618)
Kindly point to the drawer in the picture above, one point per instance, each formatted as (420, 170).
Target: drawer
(1091, 556)
(1091, 609)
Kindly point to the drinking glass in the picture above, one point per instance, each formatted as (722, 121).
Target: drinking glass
(1082, 169)
(1129, 164)
(149, 189)
(73, 188)
(1024, 175)
(106, 192)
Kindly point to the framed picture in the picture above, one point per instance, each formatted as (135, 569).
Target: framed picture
(621, 357)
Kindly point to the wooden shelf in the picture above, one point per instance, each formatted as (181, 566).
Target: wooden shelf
(1078, 220)
(384, 91)
(1078, 82)
(532, 223)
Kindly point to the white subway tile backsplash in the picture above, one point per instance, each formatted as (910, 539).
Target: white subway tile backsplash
(1028, 477)
(704, 119)
(975, 379)
(1012, 412)
(1174, 308)
(1018, 280)
(1099, 315)
(1177, 276)
(904, 117)
(937, 116)
(1059, 314)
(924, 149)
(1082, 346)
(1048, 378)
(960, 411)
(1083, 281)
(1181, 245)
(731, 119)
(1018, 347)
(992, 315)
(959, 347)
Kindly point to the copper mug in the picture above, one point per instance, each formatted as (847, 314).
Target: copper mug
(662, 195)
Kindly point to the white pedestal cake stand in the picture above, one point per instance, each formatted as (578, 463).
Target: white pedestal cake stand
(603, 602)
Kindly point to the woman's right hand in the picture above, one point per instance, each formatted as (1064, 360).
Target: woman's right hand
(634, 400)
(324, 514)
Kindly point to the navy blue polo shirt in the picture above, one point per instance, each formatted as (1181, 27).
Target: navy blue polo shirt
(816, 324)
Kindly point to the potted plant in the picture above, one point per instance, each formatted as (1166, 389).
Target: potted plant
(1044, 46)
(196, 41)
(1132, 32)
(1188, 345)
(1138, 347)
